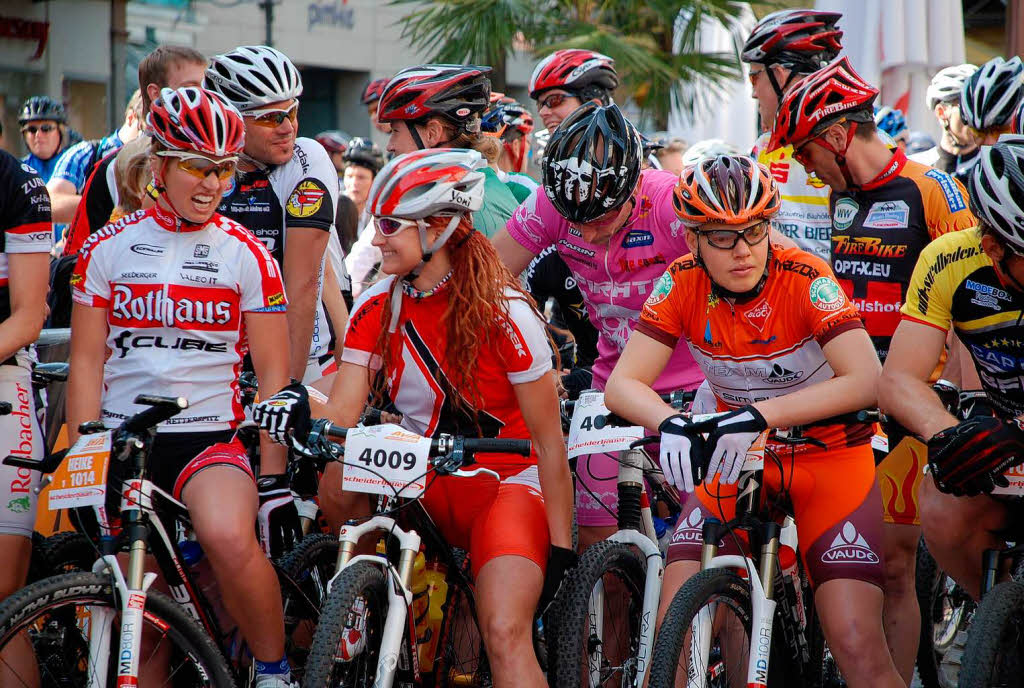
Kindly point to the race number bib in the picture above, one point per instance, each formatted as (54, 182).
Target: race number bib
(81, 479)
(1016, 487)
(387, 460)
(584, 438)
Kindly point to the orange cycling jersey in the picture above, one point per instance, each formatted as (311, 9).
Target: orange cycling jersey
(764, 347)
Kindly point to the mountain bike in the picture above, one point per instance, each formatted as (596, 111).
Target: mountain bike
(372, 595)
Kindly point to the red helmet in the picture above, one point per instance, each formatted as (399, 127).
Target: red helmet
(333, 141)
(372, 90)
(575, 70)
(457, 92)
(831, 94)
(197, 120)
(727, 189)
(801, 40)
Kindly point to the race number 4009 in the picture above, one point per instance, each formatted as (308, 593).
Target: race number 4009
(385, 459)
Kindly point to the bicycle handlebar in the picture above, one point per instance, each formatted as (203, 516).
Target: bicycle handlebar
(160, 409)
(443, 444)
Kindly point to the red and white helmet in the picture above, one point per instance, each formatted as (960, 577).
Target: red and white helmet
(428, 183)
(457, 92)
(194, 119)
(575, 70)
(372, 91)
(818, 100)
(801, 40)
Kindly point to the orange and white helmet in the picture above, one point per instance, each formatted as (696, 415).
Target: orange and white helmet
(726, 189)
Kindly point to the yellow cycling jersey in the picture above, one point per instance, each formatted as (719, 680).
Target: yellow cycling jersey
(955, 283)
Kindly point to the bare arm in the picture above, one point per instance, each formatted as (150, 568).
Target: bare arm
(29, 278)
(334, 304)
(64, 200)
(856, 367)
(628, 392)
(268, 345)
(348, 395)
(303, 253)
(903, 390)
(538, 402)
(512, 253)
(85, 379)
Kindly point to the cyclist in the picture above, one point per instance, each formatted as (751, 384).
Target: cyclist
(990, 98)
(285, 193)
(670, 156)
(893, 124)
(43, 122)
(24, 257)
(956, 148)
(512, 124)
(745, 306)
(74, 165)
(885, 210)
(363, 162)
(482, 367)
(371, 99)
(971, 282)
(438, 105)
(783, 47)
(614, 227)
(129, 301)
(335, 143)
(566, 79)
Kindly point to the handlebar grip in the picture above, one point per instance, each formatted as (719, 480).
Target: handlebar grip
(5, 408)
(336, 432)
(48, 464)
(161, 409)
(494, 445)
(611, 419)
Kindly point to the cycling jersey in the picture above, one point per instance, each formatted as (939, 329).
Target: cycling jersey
(803, 215)
(616, 278)
(175, 300)
(521, 185)
(76, 163)
(548, 276)
(879, 231)
(955, 283)
(499, 204)
(958, 166)
(303, 192)
(44, 168)
(765, 347)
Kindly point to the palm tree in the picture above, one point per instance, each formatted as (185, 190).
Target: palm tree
(639, 34)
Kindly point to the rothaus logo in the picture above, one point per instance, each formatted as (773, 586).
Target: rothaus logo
(156, 306)
(849, 547)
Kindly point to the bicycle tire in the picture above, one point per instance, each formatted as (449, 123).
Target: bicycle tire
(303, 575)
(994, 656)
(48, 611)
(67, 552)
(925, 581)
(460, 658)
(574, 645)
(361, 579)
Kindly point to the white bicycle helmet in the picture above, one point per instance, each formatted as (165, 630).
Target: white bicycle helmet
(252, 76)
(947, 84)
(997, 188)
(708, 148)
(991, 95)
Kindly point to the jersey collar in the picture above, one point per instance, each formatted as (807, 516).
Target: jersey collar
(172, 223)
(891, 171)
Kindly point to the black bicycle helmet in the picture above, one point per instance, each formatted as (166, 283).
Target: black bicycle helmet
(364, 153)
(42, 107)
(592, 162)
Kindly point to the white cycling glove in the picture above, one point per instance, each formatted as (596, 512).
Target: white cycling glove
(679, 447)
(286, 410)
(733, 434)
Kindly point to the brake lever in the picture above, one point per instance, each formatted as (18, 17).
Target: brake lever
(475, 472)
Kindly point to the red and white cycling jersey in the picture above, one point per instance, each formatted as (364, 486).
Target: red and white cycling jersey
(174, 299)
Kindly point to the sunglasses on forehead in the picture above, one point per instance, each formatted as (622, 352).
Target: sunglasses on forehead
(273, 117)
(200, 166)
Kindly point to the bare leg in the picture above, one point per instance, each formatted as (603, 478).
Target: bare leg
(901, 614)
(17, 661)
(507, 591)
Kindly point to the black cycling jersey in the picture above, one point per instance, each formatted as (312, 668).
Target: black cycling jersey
(25, 221)
(549, 277)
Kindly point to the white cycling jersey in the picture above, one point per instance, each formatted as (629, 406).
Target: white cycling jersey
(174, 299)
(804, 215)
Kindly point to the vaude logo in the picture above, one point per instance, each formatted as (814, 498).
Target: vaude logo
(849, 547)
(147, 250)
(689, 532)
(780, 375)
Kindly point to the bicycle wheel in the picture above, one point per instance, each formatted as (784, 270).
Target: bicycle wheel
(994, 656)
(362, 586)
(460, 658)
(599, 617)
(67, 552)
(945, 612)
(56, 614)
(303, 574)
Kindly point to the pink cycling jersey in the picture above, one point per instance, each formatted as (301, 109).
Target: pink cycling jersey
(616, 278)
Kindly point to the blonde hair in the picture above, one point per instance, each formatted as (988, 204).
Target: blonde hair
(487, 146)
(131, 175)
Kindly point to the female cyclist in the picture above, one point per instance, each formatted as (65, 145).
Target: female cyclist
(781, 346)
(167, 301)
(462, 350)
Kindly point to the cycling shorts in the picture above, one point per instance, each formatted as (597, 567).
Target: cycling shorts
(899, 478)
(21, 435)
(176, 457)
(491, 519)
(836, 505)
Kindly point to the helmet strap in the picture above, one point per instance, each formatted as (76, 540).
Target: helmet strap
(841, 156)
(428, 253)
(415, 135)
(162, 191)
(721, 291)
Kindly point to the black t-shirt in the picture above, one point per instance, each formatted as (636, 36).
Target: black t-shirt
(25, 220)
(549, 277)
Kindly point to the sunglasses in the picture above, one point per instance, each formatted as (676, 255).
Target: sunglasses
(390, 226)
(200, 166)
(272, 118)
(32, 129)
(728, 238)
(801, 155)
(754, 76)
(552, 101)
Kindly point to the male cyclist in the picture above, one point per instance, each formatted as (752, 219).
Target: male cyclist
(43, 122)
(971, 282)
(285, 193)
(893, 124)
(566, 79)
(990, 98)
(956, 148)
(335, 142)
(884, 211)
(371, 99)
(783, 47)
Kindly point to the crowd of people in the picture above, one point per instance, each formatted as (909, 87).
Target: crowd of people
(845, 263)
